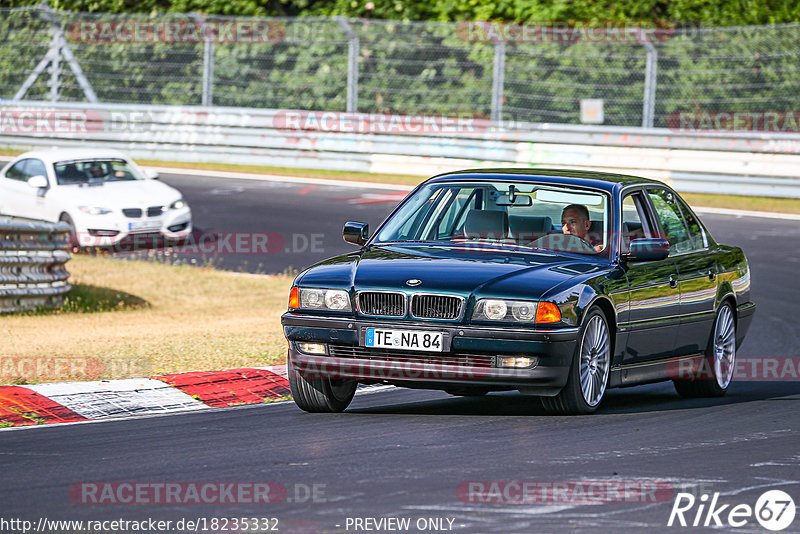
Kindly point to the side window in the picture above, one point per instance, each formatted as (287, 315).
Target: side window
(671, 219)
(35, 167)
(698, 234)
(17, 172)
(632, 220)
(452, 221)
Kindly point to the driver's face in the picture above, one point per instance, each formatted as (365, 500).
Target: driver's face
(572, 222)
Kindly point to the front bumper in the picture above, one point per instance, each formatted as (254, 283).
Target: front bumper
(744, 314)
(470, 361)
(113, 229)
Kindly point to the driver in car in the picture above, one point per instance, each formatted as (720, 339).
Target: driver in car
(96, 171)
(575, 221)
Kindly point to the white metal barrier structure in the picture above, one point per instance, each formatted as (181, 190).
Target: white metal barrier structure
(32, 264)
(733, 163)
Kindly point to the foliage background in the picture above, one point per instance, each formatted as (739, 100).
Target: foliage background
(413, 57)
(682, 12)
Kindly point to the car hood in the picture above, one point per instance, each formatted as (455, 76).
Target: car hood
(118, 195)
(454, 270)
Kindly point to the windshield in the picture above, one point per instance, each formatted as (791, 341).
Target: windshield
(94, 171)
(506, 214)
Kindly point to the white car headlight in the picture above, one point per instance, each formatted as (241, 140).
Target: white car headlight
(178, 204)
(325, 299)
(515, 311)
(94, 210)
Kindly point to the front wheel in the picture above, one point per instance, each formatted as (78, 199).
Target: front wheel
(717, 367)
(320, 395)
(588, 374)
(72, 238)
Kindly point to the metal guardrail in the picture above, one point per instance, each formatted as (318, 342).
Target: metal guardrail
(745, 163)
(33, 255)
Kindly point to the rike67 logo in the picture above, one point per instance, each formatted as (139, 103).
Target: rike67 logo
(774, 510)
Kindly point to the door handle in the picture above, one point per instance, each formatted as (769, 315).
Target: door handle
(672, 282)
(711, 274)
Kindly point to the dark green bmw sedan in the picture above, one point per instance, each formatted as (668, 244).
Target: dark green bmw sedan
(558, 284)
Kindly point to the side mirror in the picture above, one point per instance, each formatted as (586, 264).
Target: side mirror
(648, 249)
(150, 174)
(355, 232)
(37, 182)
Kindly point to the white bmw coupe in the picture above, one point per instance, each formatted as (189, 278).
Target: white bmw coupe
(101, 193)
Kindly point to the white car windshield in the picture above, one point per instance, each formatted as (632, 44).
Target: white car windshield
(95, 170)
(506, 214)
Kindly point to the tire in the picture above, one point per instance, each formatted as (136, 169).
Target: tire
(320, 395)
(719, 362)
(467, 392)
(588, 374)
(72, 238)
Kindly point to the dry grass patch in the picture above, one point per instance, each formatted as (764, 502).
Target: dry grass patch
(144, 318)
(736, 202)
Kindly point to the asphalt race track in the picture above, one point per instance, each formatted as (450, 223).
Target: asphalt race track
(409, 454)
(301, 223)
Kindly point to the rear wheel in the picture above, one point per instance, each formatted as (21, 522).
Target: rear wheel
(320, 395)
(717, 368)
(588, 374)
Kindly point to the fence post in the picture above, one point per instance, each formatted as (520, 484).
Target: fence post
(352, 64)
(650, 74)
(498, 82)
(207, 96)
(55, 64)
(208, 72)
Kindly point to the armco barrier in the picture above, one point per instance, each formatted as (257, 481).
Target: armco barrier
(746, 163)
(32, 270)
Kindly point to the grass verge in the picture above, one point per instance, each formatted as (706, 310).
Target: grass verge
(129, 319)
(735, 202)
(353, 176)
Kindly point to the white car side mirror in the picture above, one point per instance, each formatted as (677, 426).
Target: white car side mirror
(150, 174)
(37, 181)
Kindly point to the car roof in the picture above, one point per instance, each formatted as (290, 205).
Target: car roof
(599, 180)
(65, 154)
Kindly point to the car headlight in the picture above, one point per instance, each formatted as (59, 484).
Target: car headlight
(94, 210)
(178, 204)
(319, 299)
(516, 311)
